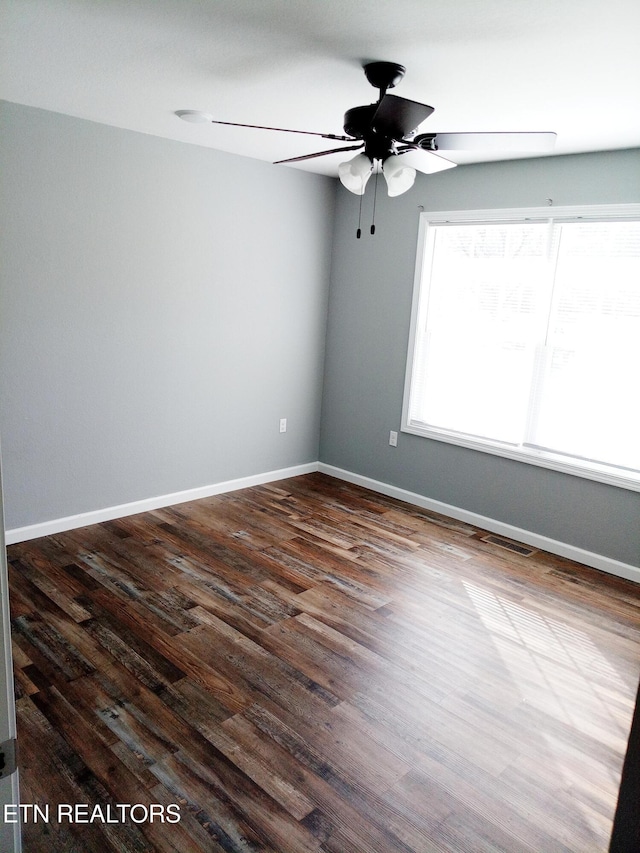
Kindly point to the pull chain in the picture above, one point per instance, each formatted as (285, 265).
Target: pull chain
(375, 193)
(359, 231)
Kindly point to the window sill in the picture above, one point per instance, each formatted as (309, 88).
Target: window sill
(621, 478)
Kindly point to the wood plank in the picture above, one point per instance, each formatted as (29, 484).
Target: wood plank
(307, 666)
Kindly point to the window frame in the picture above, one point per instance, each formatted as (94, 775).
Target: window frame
(590, 470)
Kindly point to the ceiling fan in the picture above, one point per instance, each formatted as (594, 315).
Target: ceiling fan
(385, 134)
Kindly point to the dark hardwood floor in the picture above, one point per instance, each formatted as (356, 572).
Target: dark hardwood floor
(307, 666)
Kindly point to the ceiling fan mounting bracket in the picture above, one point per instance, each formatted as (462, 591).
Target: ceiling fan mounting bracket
(384, 75)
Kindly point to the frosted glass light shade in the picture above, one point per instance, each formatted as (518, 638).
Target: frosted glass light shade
(398, 176)
(355, 173)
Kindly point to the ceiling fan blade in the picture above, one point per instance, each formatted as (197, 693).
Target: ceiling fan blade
(425, 161)
(495, 141)
(397, 117)
(319, 154)
(285, 130)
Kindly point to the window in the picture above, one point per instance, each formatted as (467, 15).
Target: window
(525, 337)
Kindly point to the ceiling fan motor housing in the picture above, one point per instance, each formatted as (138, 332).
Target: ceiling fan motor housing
(358, 123)
(357, 120)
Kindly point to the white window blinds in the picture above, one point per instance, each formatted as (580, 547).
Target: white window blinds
(526, 337)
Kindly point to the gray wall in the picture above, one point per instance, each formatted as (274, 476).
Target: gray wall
(368, 329)
(162, 306)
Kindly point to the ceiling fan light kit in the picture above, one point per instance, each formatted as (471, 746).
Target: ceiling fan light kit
(399, 176)
(355, 173)
(385, 135)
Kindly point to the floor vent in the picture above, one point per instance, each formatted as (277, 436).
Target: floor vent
(510, 546)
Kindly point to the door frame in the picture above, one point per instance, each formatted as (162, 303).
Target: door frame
(10, 838)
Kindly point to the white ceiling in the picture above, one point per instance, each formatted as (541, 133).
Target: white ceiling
(571, 66)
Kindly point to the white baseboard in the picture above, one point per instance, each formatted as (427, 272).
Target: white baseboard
(59, 525)
(544, 543)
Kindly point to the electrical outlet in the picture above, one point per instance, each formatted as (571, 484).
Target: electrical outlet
(393, 438)
(283, 424)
